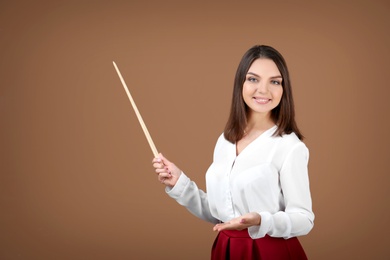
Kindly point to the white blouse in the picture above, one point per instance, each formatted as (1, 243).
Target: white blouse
(269, 176)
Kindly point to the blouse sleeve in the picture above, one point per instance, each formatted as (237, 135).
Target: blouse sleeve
(187, 194)
(298, 218)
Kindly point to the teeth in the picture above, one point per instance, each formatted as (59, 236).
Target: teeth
(262, 99)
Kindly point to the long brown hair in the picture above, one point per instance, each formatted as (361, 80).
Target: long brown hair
(283, 115)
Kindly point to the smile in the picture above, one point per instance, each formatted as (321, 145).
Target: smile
(262, 100)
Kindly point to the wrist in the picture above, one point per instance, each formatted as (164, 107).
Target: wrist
(258, 219)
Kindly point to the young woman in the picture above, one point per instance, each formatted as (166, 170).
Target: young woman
(258, 192)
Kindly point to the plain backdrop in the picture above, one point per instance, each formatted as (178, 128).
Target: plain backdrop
(76, 180)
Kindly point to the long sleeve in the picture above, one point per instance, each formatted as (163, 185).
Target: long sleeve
(297, 217)
(187, 194)
(270, 177)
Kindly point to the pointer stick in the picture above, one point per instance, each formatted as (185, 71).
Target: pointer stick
(146, 132)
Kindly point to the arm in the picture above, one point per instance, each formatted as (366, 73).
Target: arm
(297, 218)
(187, 194)
(182, 189)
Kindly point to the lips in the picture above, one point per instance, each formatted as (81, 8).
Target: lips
(261, 100)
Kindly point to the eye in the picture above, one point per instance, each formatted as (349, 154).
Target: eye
(276, 82)
(251, 79)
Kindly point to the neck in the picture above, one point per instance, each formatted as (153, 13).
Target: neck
(259, 122)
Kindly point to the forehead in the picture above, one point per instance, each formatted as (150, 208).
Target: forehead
(264, 67)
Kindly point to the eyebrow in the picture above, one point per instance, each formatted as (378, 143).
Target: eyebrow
(274, 77)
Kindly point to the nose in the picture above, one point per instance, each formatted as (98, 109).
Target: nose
(262, 87)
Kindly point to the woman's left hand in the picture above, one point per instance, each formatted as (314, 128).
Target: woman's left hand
(240, 223)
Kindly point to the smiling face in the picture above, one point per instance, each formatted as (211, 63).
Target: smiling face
(262, 89)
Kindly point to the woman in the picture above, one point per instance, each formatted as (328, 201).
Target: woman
(258, 192)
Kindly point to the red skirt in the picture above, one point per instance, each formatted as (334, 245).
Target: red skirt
(238, 245)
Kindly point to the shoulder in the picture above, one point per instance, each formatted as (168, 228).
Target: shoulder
(222, 142)
(222, 147)
(290, 140)
(290, 143)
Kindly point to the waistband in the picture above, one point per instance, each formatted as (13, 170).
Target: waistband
(236, 233)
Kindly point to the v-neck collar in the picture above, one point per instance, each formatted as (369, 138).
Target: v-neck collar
(266, 133)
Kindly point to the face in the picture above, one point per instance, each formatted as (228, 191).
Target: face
(262, 90)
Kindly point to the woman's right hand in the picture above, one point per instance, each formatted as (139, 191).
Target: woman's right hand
(167, 172)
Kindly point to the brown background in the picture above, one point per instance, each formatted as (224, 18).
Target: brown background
(76, 180)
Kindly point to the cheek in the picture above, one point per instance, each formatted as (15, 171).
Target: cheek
(278, 94)
(244, 87)
(246, 90)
